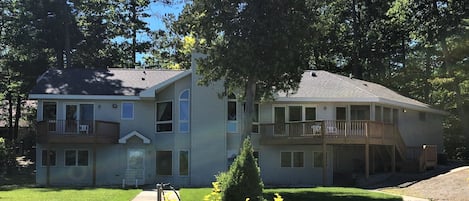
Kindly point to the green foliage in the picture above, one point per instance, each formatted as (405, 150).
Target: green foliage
(243, 178)
(7, 156)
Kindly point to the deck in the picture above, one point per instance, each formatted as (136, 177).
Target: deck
(77, 132)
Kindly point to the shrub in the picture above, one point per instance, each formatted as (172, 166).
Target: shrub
(243, 178)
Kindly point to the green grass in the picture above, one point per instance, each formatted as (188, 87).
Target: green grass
(60, 194)
(303, 194)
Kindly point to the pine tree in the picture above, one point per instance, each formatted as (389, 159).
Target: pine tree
(243, 178)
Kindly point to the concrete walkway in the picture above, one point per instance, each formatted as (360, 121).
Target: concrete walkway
(151, 195)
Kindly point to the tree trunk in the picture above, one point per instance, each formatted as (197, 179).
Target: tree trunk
(250, 93)
(17, 117)
(357, 68)
(10, 115)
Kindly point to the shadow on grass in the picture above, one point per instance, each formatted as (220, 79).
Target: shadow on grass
(311, 194)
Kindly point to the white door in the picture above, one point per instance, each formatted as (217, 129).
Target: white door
(135, 166)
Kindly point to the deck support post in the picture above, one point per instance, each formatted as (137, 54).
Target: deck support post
(367, 153)
(393, 159)
(324, 156)
(373, 163)
(94, 162)
(48, 153)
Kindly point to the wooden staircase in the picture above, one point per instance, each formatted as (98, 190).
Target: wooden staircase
(414, 159)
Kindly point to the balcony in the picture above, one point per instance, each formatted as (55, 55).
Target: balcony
(330, 132)
(77, 132)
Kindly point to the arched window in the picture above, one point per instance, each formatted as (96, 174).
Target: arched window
(184, 111)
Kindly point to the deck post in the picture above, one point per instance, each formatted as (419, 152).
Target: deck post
(367, 154)
(393, 159)
(48, 165)
(94, 160)
(324, 156)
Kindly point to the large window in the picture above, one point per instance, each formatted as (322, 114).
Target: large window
(378, 112)
(310, 113)
(340, 113)
(184, 111)
(164, 116)
(292, 159)
(232, 123)
(127, 111)
(387, 115)
(184, 163)
(164, 162)
(360, 112)
(295, 113)
(49, 114)
(49, 111)
(52, 157)
(76, 157)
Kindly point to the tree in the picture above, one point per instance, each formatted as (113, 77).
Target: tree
(257, 47)
(243, 178)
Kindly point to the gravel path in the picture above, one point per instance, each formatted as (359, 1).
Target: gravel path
(452, 185)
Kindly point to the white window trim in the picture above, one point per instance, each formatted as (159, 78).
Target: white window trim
(292, 159)
(189, 111)
(76, 158)
(42, 165)
(164, 122)
(122, 111)
(188, 163)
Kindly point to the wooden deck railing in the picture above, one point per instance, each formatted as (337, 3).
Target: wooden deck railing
(338, 132)
(77, 131)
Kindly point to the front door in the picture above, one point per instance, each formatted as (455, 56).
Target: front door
(135, 166)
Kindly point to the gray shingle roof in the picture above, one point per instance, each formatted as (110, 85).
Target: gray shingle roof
(326, 85)
(74, 81)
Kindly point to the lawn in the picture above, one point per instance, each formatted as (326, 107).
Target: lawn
(299, 194)
(60, 194)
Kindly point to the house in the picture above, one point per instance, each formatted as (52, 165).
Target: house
(133, 127)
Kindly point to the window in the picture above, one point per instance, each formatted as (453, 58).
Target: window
(184, 163)
(52, 157)
(387, 115)
(360, 112)
(232, 123)
(49, 111)
(127, 111)
(255, 119)
(378, 113)
(317, 159)
(49, 114)
(422, 116)
(76, 158)
(184, 111)
(310, 114)
(395, 116)
(164, 162)
(340, 113)
(292, 159)
(164, 116)
(295, 113)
